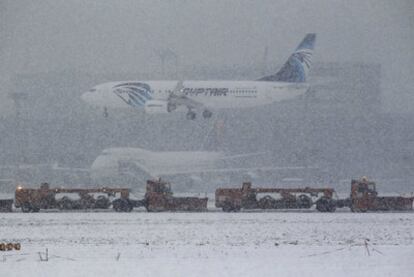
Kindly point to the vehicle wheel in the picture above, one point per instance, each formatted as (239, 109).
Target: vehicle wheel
(267, 202)
(227, 207)
(116, 205)
(17, 246)
(191, 115)
(26, 208)
(332, 207)
(86, 203)
(102, 202)
(325, 204)
(236, 209)
(207, 114)
(9, 246)
(361, 210)
(305, 202)
(35, 209)
(121, 205)
(65, 204)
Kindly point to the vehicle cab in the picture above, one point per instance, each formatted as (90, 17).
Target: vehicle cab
(363, 194)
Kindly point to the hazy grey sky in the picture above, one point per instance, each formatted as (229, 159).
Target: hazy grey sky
(108, 36)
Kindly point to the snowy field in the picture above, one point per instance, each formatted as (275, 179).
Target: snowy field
(209, 244)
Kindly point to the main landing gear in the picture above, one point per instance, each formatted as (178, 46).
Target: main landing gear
(191, 115)
(105, 112)
(207, 114)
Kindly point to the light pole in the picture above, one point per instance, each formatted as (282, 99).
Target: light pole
(19, 98)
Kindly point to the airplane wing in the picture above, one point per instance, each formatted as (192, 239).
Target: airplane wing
(178, 98)
(243, 155)
(229, 170)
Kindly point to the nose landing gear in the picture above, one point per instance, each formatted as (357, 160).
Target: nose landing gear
(171, 107)
(105, 112)
(191, 115)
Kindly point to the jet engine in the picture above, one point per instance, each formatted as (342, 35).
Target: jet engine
(156, 106)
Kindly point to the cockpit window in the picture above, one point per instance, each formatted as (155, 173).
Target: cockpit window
(92, 89)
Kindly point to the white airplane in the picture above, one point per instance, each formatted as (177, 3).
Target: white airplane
(115, 165)
(167, 96)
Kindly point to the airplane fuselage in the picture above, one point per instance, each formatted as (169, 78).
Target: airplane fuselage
(212, 94)
(167, 96)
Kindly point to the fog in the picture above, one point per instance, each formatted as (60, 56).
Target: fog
(103, 36)
(55, 50)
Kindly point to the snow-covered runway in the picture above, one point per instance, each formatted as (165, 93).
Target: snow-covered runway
(209, 244)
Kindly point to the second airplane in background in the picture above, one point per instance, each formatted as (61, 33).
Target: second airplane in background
(205, 96)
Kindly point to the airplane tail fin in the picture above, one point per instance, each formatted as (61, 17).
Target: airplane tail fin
(297, 67)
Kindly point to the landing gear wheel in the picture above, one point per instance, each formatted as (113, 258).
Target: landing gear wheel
(207, 114)
(191, 115)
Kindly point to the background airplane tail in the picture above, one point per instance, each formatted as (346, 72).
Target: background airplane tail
(297, 67)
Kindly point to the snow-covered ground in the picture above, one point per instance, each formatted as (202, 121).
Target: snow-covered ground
(209, 244)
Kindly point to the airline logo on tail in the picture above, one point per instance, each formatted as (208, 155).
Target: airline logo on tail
(297, 67)
(304, 58)
(135, 94)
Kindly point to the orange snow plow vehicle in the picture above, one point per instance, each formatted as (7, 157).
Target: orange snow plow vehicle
(364, 197)
(32, 200)
(159, 197)
(246, 197)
